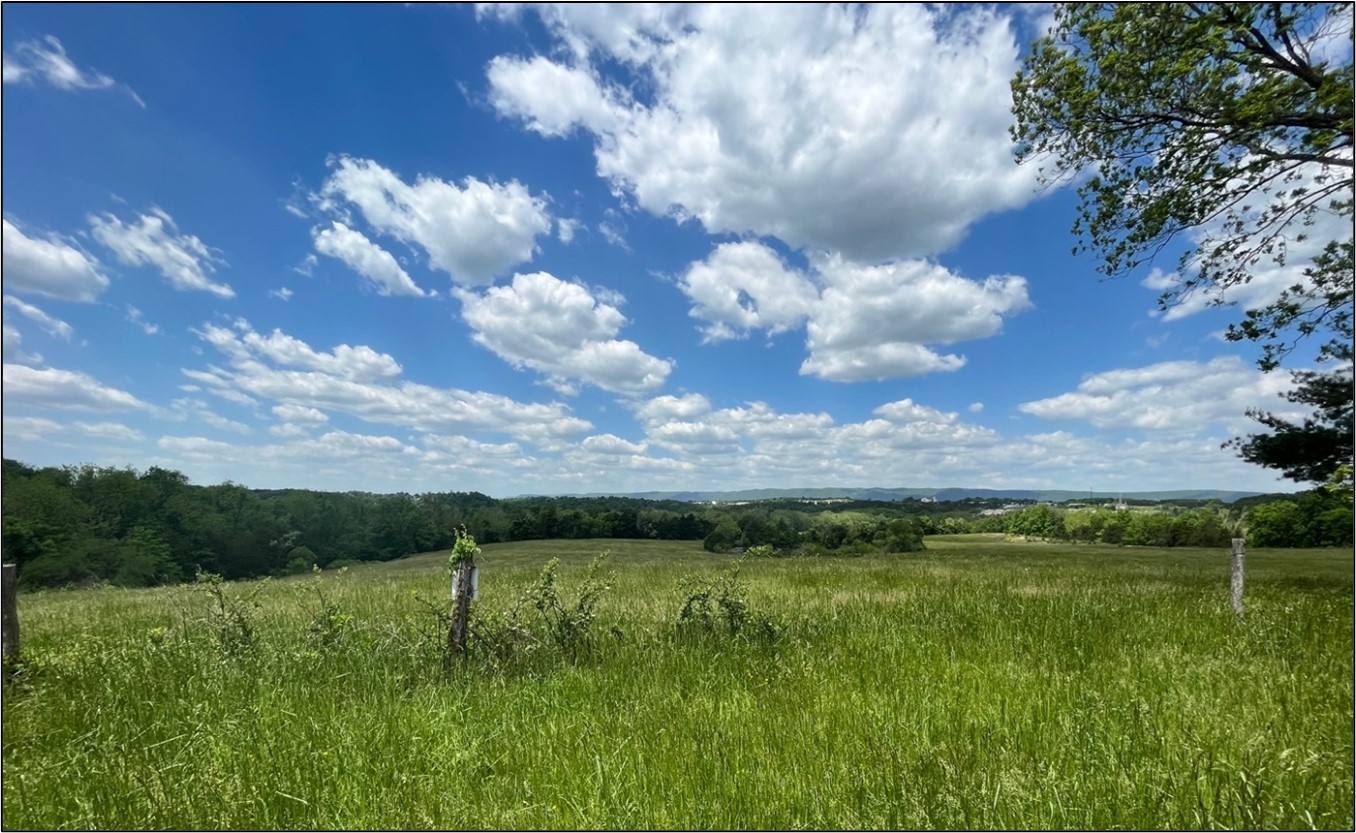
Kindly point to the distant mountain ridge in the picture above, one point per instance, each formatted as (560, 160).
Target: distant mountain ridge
(947, 494)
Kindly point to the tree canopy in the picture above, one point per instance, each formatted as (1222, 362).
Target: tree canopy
(1227, 128)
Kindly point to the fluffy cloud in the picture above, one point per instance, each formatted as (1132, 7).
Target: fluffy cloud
(868, 322)
(474, 232)
(360, 382)
(763, 444)
(908, 425)
(872, 322)
(1178, 396)
(664, 408)
(64, 390)
(243, 344)
(46, 61)
(610, 444)
(517, 86)
(906, 411)
(49, 267)
(154, 241)
(366, 258)
(469, 451)
(560, 329)
(55, 326)
(300, 414)
(361, 363)
(907, 443)
(566, 229)
(746, 286)
(876, 131)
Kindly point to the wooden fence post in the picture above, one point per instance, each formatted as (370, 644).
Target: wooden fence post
(1236, 577)
(461, 608)
(9, 612)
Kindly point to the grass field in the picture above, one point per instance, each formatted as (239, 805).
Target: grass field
(981, 684)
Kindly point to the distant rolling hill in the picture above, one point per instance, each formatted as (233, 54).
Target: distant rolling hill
(877, 493)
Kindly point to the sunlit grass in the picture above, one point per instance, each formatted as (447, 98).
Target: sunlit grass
(982, 683)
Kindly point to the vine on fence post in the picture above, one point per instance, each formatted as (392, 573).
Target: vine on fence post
(462, 566)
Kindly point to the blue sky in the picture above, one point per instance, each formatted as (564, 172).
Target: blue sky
(557, 250)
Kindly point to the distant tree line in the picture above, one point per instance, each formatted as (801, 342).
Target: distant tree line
(788, 531)
(1319, 518)
(83, 524)
(76, 525)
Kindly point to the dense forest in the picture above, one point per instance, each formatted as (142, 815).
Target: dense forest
(76, 525)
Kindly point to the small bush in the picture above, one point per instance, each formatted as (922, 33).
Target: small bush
(541, 622)
(721, 606)
(328, 624)
(300, 560)
(228, 617)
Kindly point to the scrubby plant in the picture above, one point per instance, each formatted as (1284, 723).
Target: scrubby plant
(229, 615)
(543, 622)
(569, 626)
(300, 560)
(328, 624)
(721, 606)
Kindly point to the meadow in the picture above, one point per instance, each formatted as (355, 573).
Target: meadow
(979, 684)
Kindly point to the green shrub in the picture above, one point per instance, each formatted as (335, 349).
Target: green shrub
(721, 606)
(542, 622)
(229, 615)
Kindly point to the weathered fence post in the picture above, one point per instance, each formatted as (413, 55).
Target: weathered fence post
(461, 608)
(1236, 577)
(9, 612)
(463, 591)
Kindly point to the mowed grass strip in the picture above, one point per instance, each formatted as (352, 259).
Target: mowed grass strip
(982, 684)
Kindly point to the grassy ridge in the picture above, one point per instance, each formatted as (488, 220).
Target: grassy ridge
(981, 684)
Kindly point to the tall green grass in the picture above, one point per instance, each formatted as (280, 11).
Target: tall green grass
(981, 684)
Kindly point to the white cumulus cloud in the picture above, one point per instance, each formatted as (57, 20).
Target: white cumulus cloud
(366, 258)
(1176, 396)
(746, 286)
(611, 444)
(560, 329)
(874, 322)
(358, 381)
(300, 414)
(862, 322)
(474, 231)
(876, 131)
(360, 363)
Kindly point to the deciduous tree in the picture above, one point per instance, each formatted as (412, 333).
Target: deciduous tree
(1227, 128)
